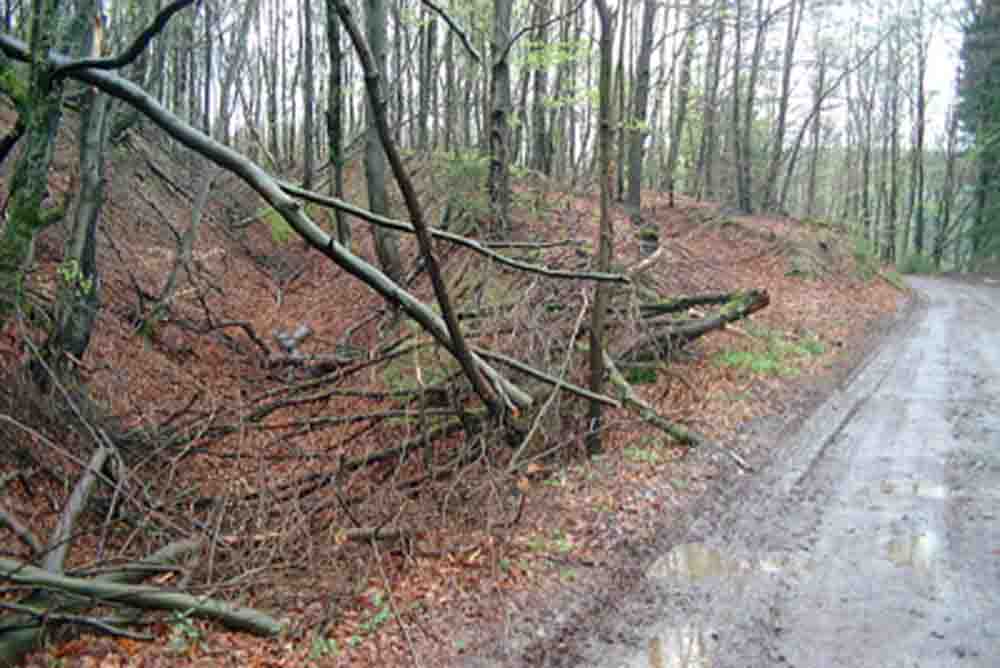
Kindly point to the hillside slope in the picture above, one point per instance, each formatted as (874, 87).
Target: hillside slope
(283, 460)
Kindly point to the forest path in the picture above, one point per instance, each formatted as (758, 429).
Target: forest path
(875, 542)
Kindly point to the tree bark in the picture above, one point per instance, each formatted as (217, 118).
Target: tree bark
(594, 437)
(637, 124)
(386, 244)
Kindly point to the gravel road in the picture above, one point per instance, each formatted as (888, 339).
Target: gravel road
(874, 540)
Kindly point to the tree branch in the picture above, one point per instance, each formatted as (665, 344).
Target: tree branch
(148, 598)
(472, 244)
(133, 51)
(266, 186)
(455, 28)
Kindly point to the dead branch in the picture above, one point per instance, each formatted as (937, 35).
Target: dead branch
(557, 383)
(9, 519)
(649, 414)
(62, 535)
(137, 596)
(667, 333)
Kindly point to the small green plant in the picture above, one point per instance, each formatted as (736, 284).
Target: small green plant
(381, 616)
(184, 635)
(72, 277)
(559, 543)
(322, 647)
(641, 455)
(640, 375)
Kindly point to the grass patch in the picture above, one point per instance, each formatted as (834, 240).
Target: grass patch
(775, 356)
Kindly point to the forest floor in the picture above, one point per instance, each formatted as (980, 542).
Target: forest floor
(559, 532)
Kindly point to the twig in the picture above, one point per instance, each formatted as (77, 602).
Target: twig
(562, 374)
(9, 520)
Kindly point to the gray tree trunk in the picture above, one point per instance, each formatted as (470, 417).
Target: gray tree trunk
(795, 10)
(599, 309)
(308, 98)
(335, 117)
(681, 105)
(499, 142)
(386, 243)
(637, 123)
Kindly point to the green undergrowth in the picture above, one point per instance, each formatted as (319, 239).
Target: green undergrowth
(773, 354)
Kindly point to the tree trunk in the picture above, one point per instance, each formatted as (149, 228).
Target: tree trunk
(708, 147)
(680, 109)
(42, 115)
(308, 98)
(637, 123)
(541, 149)
(79, 285)
(795, 9)
(335, 117)
(386, 244)
(594, 435)
(499, 178)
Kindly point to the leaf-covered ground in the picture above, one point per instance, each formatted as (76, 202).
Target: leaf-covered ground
(490, 553)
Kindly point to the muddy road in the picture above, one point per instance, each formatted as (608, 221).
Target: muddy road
(873, 540)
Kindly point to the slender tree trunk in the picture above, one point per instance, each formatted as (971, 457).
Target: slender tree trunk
(335, 117)
(817, 126)
(795, 9)
(79, 284)
(638, 130)
(709, 140)
(605, 242)
(622, 114)
(541, 153)
(499, 178)
(735, 128)
(309, 98)
(450, 117)
(386, 243)
(918, 149)
(680, 108)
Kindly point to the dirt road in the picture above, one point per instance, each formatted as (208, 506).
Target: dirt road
(874, 542)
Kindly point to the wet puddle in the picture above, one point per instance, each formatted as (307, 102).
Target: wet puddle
(921, 488)
(695, 561)
(918, 551)
(679, 648)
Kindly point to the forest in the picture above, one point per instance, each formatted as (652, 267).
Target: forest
(308, 308)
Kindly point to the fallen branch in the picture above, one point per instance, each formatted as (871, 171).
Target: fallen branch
(20, 635)
(649, 414)
(138, 596)
(668, 332)
(9, 520)
(558, 383)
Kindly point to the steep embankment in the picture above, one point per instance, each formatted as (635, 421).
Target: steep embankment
(225, 435)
